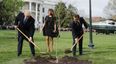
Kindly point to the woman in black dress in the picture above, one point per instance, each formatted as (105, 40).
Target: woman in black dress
(49, 29)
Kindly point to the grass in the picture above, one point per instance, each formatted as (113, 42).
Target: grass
(103, 53)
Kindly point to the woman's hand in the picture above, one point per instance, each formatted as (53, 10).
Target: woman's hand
(54, 31)
(15, 26)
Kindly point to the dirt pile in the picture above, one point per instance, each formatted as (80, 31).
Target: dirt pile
(53, 60)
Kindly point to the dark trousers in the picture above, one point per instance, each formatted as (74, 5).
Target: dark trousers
(80, 44)
(20, 44)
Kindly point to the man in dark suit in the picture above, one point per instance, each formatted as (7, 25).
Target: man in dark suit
(25, 22)
(77, 32)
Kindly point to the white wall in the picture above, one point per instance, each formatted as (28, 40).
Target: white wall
(38, 15)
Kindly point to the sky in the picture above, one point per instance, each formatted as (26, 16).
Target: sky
(83, 5)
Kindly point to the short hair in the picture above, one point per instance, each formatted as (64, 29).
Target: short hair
(76, 16)
(51, 10)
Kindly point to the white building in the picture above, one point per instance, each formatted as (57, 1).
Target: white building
(38, 9)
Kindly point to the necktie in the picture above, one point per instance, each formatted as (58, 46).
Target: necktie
(25, 20)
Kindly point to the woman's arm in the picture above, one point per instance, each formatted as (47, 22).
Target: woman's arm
(44, 24)
(55, 24)
(54, 27)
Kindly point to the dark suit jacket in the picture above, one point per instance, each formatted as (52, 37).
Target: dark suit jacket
(77, 28)
(28, 28)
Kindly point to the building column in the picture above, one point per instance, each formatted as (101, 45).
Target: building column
(36, 14)
(41, 16)
(30, 6)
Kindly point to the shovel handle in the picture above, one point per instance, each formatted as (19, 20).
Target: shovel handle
(76, 42)
(27, 37)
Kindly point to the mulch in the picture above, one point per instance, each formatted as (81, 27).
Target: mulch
(53, 60)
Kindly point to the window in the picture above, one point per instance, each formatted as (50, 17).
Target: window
(38, 17)
(43, 10)
(38, 7)
(43, 19)
(33, 14)
(33, 6)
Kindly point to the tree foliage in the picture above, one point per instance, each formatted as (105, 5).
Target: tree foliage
(8, 9)
(60, 11)
(110, 9)
(64, 14)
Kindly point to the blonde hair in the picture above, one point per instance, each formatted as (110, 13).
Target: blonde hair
(27, 13)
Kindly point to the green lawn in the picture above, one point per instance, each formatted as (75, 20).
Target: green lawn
(103, 53)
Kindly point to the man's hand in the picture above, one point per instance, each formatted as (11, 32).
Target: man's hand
(54, 31)
(15, 26)
(76, 40)
(30, 39)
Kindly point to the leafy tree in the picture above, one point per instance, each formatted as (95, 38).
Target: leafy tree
(8, 10)
(60, 12)
(71, 11)
(64, 14)
(110, 9)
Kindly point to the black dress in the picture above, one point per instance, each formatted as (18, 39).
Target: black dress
(49, 26)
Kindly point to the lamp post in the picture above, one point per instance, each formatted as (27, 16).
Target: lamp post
(91, 45)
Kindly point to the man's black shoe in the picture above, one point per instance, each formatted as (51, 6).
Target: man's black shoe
(81, 54)
(33, 55)
(18, 55)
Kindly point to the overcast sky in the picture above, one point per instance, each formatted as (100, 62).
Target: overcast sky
(97, 6)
